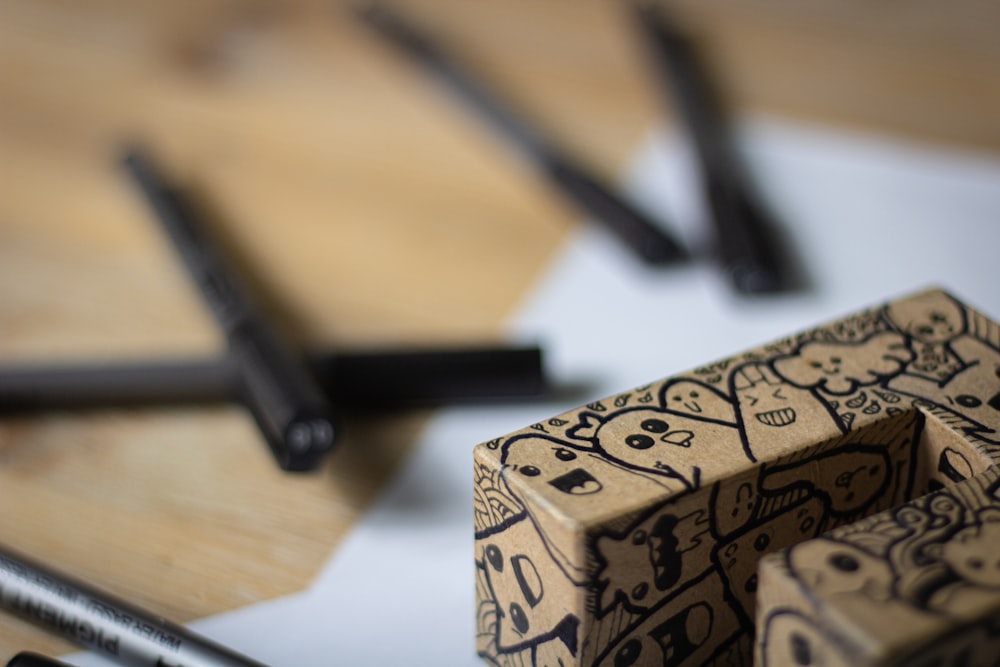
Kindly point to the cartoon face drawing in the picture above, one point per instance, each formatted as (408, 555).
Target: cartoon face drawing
(933, 318)
(734, 503)
(830, 567)
(971, 390)
(739, 556)
(975, 391)
(840, 368)
(641, 565)
(683, 633)
(567, 475)
(698, 400)
(572, 478)
(772, 411)
(528, 589)
(849, 479)
(675, 446)
(792, 640)
(972, 553)
(561, 465)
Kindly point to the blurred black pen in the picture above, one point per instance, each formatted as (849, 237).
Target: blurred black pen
(632, 227)
(365, 379)
(291, 411)
(746, 240)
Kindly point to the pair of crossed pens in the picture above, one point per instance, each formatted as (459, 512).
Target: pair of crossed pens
(291, 398)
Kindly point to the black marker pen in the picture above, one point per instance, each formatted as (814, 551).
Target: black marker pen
(355, 378)
(100, 622)
(632, 227)
(295, 417)
(747, 243)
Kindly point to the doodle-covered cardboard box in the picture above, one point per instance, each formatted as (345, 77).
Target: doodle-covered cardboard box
(628, 531)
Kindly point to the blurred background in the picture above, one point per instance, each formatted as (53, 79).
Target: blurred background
(372, 210)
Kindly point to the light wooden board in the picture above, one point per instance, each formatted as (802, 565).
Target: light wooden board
(370, 208)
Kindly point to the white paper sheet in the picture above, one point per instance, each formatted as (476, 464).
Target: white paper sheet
(870, 220)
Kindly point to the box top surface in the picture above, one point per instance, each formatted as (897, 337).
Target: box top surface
(683, 433)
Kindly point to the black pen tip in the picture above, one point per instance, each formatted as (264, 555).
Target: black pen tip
(305, 442)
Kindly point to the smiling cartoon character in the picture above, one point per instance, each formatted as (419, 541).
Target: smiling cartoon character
(543, 473)
(773, 411)
(840, 368)
(699, 400)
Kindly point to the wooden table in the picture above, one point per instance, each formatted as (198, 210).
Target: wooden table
(370, 209)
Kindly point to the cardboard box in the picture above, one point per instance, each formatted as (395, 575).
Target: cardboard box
(628, 531)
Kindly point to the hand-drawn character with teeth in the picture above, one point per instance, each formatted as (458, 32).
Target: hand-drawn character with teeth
(646, 560)
(767, 402)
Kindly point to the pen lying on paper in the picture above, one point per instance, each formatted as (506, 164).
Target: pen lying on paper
(98, 621)
(631, 226)
(746, 242)
(295, 417)
(357, 379)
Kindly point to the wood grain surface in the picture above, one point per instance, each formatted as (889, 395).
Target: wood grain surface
(370, 210)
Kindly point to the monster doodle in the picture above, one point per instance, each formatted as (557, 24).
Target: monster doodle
(925, 575)
(772, 408)
(629, 531)
(698, 399)
(953, 368)
(575, 476)
(679, 447)
(840, 368)
(528, 596)
(648, 559)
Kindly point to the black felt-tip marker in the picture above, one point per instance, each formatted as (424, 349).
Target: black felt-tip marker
(102, 623)
(632, 227)
(747, 243)
(295, 417)
(358, 379)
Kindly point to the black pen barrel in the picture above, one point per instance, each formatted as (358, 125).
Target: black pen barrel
(294, 416)
(365, 379)
(677, 63)
(584, 190)
(432, 376)
(746, 242)
(632, 227)
(31, 387)
(417, 45)
(747, 252)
